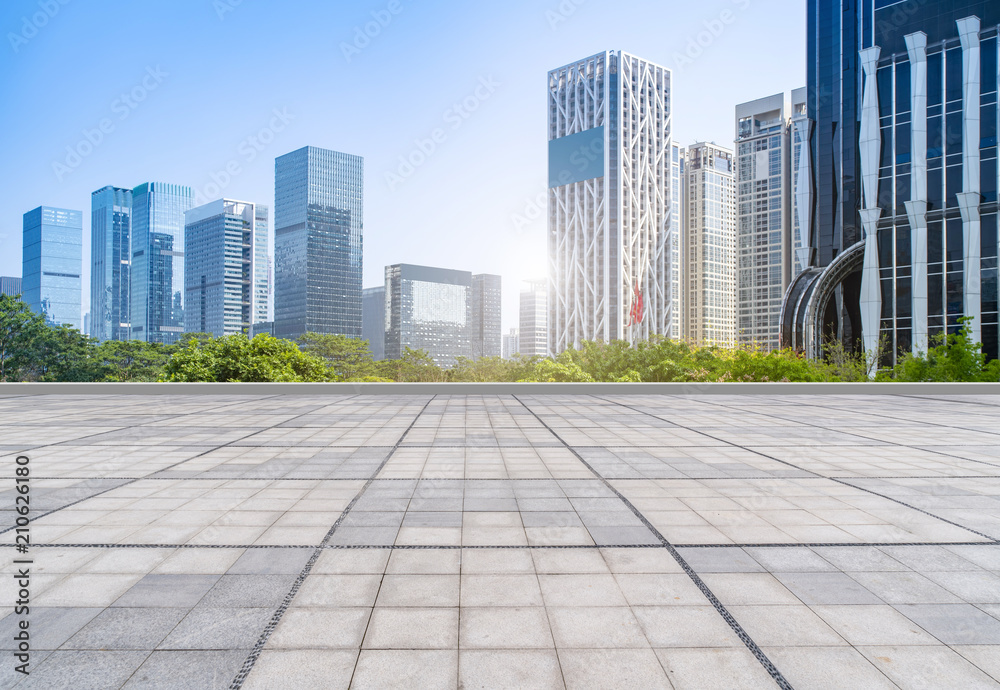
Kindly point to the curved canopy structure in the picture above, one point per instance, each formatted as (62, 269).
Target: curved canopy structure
(805, 307)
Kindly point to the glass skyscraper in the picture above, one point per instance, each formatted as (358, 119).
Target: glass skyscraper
(533, 315)
(485, 334)
(52, 260)
(110, 263)
(428, 309)
(904, 96)
(373, 320)
(318, 226)
(157, 281)
(225, 267)
(10, 285)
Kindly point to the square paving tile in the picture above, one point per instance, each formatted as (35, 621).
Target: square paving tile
(485, 554)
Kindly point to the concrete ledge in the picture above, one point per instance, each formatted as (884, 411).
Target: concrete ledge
(978, 389)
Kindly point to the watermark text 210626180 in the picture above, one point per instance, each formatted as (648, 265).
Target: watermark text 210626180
(22, 564)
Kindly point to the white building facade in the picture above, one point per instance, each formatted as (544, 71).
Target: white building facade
(533, 317)
(609, 201)
(773, 178)
(709, 242)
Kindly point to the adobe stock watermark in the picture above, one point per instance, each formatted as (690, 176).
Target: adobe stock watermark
(224, 7)
(247, 152)
(30, 26)
(562, 13)
(533, 211)
(712, 31)
(455, 116)
(122, 107)
(363, 34)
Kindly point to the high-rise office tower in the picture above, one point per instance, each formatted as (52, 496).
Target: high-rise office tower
(610, 166)
(52, 260)
(225, 267)
(709, 243)
(510, 344)
(110, 263)
(675, 230)
(905, 158)
(318, 223)
(156, 287)
(10, 285)
(773, 180)
(373, 320)
(486, 307)
(428, 309)
(533, 313)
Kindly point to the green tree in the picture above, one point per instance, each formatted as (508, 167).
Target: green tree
(19, 328)
(349, 358)
(238, 358)
(62, 353)
(492, 369)
(415, 366)
(132, 360)
(954, 357)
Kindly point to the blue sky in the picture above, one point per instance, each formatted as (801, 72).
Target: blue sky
(185, 89)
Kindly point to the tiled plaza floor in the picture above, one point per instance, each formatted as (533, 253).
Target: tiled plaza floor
(334, 541)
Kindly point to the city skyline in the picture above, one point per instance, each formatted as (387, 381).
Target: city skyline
(493, 162)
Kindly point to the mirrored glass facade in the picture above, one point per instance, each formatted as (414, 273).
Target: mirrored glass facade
(318, 225)
(373, 320)
(225, 267)
(110, 263)
(10, 285)
(904, 96)
(157, 281)
(428, 309)
(52, 261)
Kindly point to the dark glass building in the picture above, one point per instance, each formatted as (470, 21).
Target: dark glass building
(318, 224)
(52, 260)
(110, 263)
(904, 152)
(428, 309)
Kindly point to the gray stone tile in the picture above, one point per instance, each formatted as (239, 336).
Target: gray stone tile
(49, 627)
(624, 535)
(859, 558)
(271, 562)
(94, 670)
(708, 667)
(249, 591)
(954, 624)
(514, 668)
(178, 670)
(790, 560)
(826, 588)
(218, 628)
(406, 668)
(312, 669)
(629, 668)
(127, 628)
(827, 668)
(720, 560)
(174, 591)
(904, 588)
